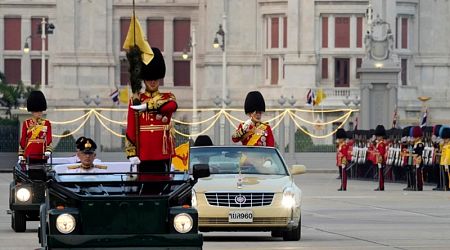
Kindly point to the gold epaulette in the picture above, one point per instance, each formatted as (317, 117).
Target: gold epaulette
(74, 167)
(101, 166)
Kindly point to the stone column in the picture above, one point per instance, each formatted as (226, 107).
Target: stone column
(2, 44)
(168, 51)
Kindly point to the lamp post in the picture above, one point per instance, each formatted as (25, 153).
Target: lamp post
(192, 44)
(46, 28)
(221, 32)
(292, 130)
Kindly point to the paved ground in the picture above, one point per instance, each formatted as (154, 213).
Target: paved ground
(357, 219)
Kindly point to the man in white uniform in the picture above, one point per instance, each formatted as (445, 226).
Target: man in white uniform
(86, 154)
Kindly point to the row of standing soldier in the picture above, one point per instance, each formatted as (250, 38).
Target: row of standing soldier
(412, 153)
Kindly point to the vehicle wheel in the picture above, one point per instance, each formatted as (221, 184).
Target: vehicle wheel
(18, 221)
(294, 234)
(277, 234)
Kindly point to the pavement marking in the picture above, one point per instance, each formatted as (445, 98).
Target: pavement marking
(352, 237)
(342, 197)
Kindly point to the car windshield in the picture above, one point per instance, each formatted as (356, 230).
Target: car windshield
(231, 160)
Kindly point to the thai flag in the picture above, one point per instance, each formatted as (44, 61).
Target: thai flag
(310, 97)
(423, 122)
(115, 96)
(394, 119)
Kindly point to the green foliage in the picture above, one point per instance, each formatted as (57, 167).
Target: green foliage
(10, 93)
(9, 122)
(66, 144)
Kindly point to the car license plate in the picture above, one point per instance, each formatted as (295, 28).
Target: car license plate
(245, 216)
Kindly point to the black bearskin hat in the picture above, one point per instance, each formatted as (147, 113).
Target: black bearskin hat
(254, 102)
(445, 133)
(203, 140)
(436, 129)
(380, 131)
(405, 131)
(416, 132)
(156, 68)
(341, 134)
(36, 102)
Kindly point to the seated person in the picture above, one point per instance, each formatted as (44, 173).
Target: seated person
(86, 154)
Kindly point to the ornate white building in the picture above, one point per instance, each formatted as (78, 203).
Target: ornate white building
(280, 47)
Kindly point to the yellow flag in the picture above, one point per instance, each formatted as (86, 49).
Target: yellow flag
(123, 95)
(180, 160)
(138, 39)
(320, 96)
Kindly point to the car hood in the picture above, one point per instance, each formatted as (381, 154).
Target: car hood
(229, 182)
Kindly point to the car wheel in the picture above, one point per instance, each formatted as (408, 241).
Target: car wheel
(19, 221)
(294, 234)
(277, 234)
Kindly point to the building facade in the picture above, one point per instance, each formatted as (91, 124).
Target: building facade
(280, 47)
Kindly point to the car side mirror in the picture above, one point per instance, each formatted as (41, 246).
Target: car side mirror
(200, 171)
(298, 169)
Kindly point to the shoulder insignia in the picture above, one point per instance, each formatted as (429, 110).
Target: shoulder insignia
(101, 166)
(73, 167)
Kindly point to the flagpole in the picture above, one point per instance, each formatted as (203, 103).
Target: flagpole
(423, 119)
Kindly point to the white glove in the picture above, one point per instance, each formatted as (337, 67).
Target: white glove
(134, 160)
(47, 153)
(247, 124)
(21, 158)
(141, 107)
(445, 167)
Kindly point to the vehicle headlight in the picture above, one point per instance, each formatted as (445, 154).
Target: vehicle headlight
(23, 194)
(183, 223)
(288, 198)
(194, 199)
(65, 223)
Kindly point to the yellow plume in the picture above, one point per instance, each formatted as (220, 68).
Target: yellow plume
(138, 39)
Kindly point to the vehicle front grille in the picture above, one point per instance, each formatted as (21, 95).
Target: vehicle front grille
(253, 199)
(256, 221)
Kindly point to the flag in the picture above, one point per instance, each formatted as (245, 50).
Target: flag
(180, 160)
(310, 98)
(320, 96)
(135, 36)
(356, 124)
(115, 96)
(423, 122)
(123, 95)
(394, 119)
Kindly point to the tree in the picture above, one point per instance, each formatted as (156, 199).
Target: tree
(10, 94)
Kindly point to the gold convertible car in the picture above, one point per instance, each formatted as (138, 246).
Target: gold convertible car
(249, 189)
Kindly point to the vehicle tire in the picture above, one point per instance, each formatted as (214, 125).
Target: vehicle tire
(294, 234)
(18, 221)
(277, 234)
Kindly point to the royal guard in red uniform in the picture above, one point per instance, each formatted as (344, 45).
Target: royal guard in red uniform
(150, 141)
(418, 147)
(406, 153)
(253, 132)
(380, 155)
(36, 140)
(343, 156)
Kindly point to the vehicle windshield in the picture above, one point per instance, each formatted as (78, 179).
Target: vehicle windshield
(231, 160)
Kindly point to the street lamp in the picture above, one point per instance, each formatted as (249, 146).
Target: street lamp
(26, 47)
(221, 32)
(45, 28)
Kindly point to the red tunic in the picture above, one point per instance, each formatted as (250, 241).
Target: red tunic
(343, 155)
(36, 138)
(380, 152)
(258, 135)
(155, 140)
